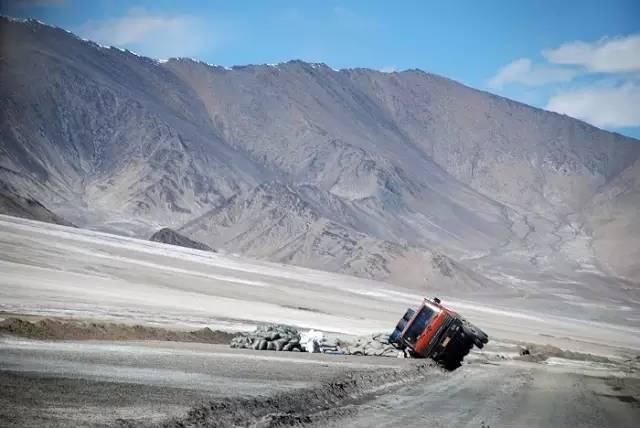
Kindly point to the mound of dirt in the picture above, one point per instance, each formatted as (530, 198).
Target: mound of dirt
(54, 329)
(539, 353)
(314, 405)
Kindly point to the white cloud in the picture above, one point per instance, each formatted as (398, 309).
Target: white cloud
(154, 35)
(609, 55)
(604, 76)
(525, 72)
(389, 69)
(613, 107)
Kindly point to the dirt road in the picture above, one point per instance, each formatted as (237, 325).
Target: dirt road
(506, 395)
(85, 383)
(97, 383)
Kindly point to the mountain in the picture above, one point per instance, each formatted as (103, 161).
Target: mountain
(170, 236)
(17, 205)
(103, 136)
(280, 222)
(614, 230)
(386, 175)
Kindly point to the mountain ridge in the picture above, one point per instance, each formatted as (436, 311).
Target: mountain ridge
(411, 164)
(298, 60)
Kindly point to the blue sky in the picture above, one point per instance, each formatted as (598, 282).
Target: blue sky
(581, 58)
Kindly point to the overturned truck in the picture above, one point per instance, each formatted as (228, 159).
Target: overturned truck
(434, 331)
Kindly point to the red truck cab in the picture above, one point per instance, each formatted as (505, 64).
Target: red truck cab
(434, 331)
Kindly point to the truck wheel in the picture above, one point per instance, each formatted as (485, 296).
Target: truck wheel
(478, 342)
(468, 333)
(484, 337)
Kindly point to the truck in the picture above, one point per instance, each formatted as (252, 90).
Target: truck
(434, 331)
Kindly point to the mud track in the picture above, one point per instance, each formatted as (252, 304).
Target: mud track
(332, 400)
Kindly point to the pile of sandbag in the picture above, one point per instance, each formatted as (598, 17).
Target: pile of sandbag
(377, 344)
(269, 338)
(316, 341)
(278, 337)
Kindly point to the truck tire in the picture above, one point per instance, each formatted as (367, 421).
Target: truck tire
(479, 336)
(478, 342)
(484, 337)
(472, 337)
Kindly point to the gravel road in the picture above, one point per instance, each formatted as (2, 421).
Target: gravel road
(507, 395)
(85, 383)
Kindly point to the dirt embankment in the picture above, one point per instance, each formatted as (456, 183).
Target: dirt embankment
(313, 406)
(54, 329)
(539, 353)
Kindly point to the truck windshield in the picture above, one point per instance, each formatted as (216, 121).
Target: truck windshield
(419, 324)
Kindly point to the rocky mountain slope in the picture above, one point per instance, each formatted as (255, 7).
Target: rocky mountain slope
(613, 225)
(384, 175)
(14, 204)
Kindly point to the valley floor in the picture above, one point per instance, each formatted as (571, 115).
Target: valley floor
(55, 271)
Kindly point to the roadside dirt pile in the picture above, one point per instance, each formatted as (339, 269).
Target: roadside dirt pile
(53, 329)
(539, 353)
